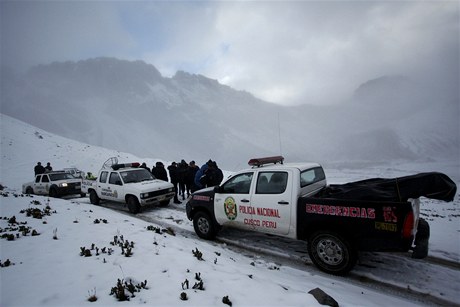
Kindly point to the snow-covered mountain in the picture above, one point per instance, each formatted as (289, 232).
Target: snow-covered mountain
(129, 106)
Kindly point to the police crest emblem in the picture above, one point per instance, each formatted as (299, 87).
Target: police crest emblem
(230, 208)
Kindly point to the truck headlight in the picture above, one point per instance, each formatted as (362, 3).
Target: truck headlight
(64, 184)
(144, 195)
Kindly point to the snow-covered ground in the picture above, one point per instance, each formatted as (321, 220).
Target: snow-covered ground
(48, 269)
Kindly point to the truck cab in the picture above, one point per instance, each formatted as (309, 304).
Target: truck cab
(262, 198)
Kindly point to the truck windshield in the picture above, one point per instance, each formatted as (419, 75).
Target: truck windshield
(137, 175)
(60, 176)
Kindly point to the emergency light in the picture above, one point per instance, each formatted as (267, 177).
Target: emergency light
(257, 162)
(123, 165)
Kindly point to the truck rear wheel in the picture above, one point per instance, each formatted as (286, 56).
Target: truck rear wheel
(133, 205)
(204, 226)
(93, 198)
(331, 252)
(29, 190)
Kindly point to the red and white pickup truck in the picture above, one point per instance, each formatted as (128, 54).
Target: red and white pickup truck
(127, 183)
(337, 221)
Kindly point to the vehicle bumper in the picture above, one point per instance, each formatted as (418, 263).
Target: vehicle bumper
(156, 199)
(68, 191)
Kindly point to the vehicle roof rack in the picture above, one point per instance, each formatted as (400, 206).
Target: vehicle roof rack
(258, 162)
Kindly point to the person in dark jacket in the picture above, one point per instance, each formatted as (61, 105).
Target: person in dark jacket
(143, 165)
(190, 179)
(174, 180)
(217, 177)
(182, 170)
(159, 171)
(48, 168)
(39, 169)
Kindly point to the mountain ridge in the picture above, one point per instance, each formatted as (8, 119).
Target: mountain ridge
(122, 105)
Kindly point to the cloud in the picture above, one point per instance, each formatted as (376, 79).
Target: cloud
(39, 32)
(287, 52)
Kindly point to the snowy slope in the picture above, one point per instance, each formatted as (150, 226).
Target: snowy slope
(51, 272)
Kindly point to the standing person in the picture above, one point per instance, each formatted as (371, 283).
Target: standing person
(159, 171)
(48, 168)
(143, 165)
(218, 175)
(39, 169)
(200, 176)
(190, 179)
(174, 180)
(182, 170)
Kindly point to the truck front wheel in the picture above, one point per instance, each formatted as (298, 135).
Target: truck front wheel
(133, 205)
(204, 226)
(331, 252)
(29, 190)
(53, 192)
(93, 198)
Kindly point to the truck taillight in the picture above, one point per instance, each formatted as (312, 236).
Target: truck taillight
(408, 225)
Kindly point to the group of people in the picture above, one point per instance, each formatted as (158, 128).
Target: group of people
(187, 177)
(40, 169)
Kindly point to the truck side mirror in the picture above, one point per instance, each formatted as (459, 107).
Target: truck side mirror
(217, 189)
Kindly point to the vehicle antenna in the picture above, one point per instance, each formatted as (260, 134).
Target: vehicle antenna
(279, 134)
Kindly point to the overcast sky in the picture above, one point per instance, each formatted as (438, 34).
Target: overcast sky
(286, 52)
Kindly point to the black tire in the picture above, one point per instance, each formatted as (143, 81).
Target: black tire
(83, 194)
(53, 192)
(29, 190)
(331, 252)
(93, 198)
(133, 205)
(164, 203)
(204, 226)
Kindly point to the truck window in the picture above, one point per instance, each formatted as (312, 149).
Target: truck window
(45, 178)
(37, 179)
(240, 184)
(310, 176)
(115, 179)
(103, 176)
(271, 182)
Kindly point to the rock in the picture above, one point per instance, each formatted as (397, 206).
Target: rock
(323, 298)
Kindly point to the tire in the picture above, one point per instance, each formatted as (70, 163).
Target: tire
(93, 198)
(29, 190)
(331, 252)
(53, 193)
(133, 205)
(204, 226)
(83, 194)
(164, 203)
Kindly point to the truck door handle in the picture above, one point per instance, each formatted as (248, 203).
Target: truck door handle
(283, 202)
(244, 201)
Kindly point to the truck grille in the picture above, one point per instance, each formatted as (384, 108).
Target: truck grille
(160, 192)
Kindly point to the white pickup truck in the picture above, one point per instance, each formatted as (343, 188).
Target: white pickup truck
(54, 184)
(128, 184)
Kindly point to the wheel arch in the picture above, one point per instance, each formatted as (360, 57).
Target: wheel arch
(195, 209)
(127, 196)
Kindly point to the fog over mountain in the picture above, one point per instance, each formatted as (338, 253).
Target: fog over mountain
(130, 106)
